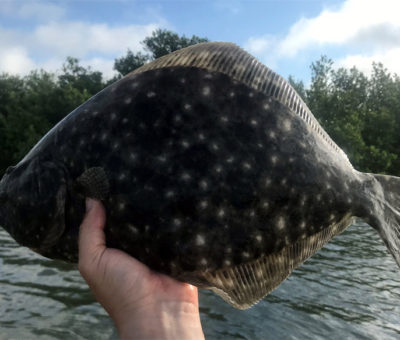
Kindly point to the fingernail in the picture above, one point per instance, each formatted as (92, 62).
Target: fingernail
(89, 204)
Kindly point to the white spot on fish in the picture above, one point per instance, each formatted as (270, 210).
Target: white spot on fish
(302, 225)
(266, 106)
(203, 204)
(221, 212)
(132, 156)
(218, 169)
(274, 159)
(253, 122)
(246, 166)
(200, 240)
(177, 118)
(267, 181)
(95, 113)
(203, 261)
(231, 94)
(215, 146)
(185, 144)
(177, 222)
(227, 263)
(206, 91)
(151, 94)
(245, 254)
(271, 134)
(224, 119)
(133, 229)
(169, 194)
(113, 116)
(104, 136)
(162, 158)
(251, 94)
(281, 224)
(287, 125)
(201, 136)
(121, 206)
(183, 80)
(187, 107)
(185, 176)
(128, 100)
(265, 204)
(203, 184)
(258, 238)
(230, 159)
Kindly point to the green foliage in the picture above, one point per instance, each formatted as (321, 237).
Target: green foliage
(163, 42)
(30, 106)
(160, 43)
(130, 62)
(360, 113)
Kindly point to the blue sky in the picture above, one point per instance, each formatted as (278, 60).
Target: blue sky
(286, 35)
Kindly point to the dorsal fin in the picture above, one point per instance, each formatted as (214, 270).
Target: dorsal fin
(233, 61)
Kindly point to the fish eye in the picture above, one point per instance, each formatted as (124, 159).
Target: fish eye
(10, 169)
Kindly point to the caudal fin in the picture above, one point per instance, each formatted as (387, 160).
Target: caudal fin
(387, 220)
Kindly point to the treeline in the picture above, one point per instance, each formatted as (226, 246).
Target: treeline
(360, 113)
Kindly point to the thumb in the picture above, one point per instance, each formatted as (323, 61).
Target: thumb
(92, 240)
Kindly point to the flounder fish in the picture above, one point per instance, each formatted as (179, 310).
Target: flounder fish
(211, 169)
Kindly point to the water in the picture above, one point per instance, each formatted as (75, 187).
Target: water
(350, 289)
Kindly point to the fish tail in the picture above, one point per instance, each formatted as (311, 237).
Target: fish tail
(386, 212)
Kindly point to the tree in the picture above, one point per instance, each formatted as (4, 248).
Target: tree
(160, 43)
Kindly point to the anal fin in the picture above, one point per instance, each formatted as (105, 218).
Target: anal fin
(244, 285)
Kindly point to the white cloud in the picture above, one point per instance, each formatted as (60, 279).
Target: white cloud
(48, 45)
(51, 37)
(101, 64)
(15, 61)
(39, 10)
(371, 27)
(356, 21)
(79, 38)
(258, 45)
(389, 59)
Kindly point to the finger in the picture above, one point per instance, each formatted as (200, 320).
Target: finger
(92, 239)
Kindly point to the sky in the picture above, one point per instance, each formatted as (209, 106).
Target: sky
(286, 35)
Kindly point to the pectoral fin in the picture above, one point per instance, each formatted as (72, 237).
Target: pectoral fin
(93, 183)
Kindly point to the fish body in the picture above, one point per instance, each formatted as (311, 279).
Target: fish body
(211, 169)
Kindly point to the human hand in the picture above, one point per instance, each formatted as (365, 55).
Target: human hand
(141, 302)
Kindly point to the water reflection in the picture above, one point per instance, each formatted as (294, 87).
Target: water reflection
(350, 289)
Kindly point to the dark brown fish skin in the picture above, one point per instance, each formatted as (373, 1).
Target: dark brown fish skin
(203, 170)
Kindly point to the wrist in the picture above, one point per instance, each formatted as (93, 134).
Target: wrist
(168, 320)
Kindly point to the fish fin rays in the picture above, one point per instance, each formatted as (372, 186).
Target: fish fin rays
(244, 285)
(93, 183)
(387, 220)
